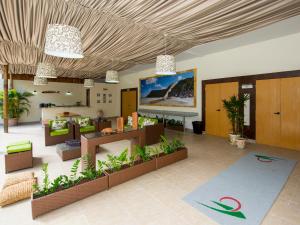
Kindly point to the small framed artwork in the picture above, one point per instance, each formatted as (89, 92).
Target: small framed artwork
(104, 98)
(98, 94)
(109, 98)
(98, 101)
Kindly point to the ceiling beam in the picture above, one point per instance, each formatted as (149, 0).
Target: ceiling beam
(59, 79)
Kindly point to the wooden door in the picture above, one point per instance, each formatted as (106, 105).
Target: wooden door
(212, 108)
(290, 113)
(268, 112)
(128, 102)
(226, 91)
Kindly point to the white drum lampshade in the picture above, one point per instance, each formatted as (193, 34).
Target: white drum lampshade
(112, 76)
(88, 83)
(40, 81)
(46, 70)
(165, 65)
(63, 41)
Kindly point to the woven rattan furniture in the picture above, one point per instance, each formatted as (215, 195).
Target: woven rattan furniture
(67, 152)
(19, 159)
(53, 140)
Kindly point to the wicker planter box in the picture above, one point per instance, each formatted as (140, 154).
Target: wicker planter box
(173, 127)
(45, 204)
(164, 160)
(129, 173)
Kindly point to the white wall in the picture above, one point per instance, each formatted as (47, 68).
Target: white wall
(78, 94)
(280, 54)
(109, 109)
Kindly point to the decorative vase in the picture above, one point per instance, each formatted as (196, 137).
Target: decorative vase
(241, 143)
(120, 124)
(135, 120)
(233, 138)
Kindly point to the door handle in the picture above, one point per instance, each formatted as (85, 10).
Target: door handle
(218, 110)
(277, 113)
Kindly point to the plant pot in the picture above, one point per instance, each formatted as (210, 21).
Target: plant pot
(12, 122)
(128, 173)
(241, 143)
(164, 160)
(45, 204)
(233, 138)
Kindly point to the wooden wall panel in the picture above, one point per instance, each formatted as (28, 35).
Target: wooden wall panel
(226, 91)
(290, 113)
(267, 109)
(212, 93)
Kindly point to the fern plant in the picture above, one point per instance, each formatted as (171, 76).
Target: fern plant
(115, 163)
(142, 152)
(74, 170)
(89, 171)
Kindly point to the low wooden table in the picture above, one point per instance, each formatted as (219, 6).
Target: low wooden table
(91, 141)
(67, 152)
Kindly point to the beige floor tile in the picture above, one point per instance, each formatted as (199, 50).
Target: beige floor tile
(152, 199)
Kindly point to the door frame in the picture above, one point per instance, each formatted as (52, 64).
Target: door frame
(248, 79)
(129, 89)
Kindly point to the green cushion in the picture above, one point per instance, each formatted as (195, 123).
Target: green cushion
(88, 128)
(19, 143)
(19, 148)
(58, 124)
(59, 132)
(82, 121)
(144, 121)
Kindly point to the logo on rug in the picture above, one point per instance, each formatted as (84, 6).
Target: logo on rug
(226, 209)
(266, 159)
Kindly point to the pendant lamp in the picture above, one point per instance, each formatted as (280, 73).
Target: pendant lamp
(165, 64)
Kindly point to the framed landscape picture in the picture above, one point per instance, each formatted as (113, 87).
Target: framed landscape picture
(170, 90)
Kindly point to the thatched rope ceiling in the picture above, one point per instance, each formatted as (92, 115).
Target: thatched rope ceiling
(130, 32)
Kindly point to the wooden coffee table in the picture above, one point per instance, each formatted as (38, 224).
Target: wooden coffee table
(67, 152)
(90, 141)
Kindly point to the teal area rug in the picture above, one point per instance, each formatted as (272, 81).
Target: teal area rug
(243, 194)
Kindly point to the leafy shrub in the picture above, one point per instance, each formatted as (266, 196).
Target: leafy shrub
(168, 147)
(143, 152)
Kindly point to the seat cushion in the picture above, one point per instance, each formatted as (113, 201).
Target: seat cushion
(18, 148)
(83, 121)
(88, 128)
(59, 132)
(19, 143)
(16, 192)
(58, 124)
(145, 121)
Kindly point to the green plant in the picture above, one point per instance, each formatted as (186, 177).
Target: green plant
(18, 103)
(74, 170)
(168, 147)
(235, 112)
(89, 171)
(100, 169)
(143, 152)
(115, 163)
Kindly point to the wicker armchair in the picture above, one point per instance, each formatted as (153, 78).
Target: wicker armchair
(92, 127)
(52, 138)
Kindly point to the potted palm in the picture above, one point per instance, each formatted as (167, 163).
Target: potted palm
(241, 141)
(235, 113)
(18, 104)
(231, 106)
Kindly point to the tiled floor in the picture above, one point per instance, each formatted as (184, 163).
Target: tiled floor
(155, 198)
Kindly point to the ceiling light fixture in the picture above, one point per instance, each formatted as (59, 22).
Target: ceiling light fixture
(40, 81)
(165, 64)
(88, 83)
(112, 76)
(46, 70)
(63, 41)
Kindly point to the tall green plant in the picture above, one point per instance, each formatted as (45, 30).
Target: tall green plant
(235, 112)
(18, 103)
